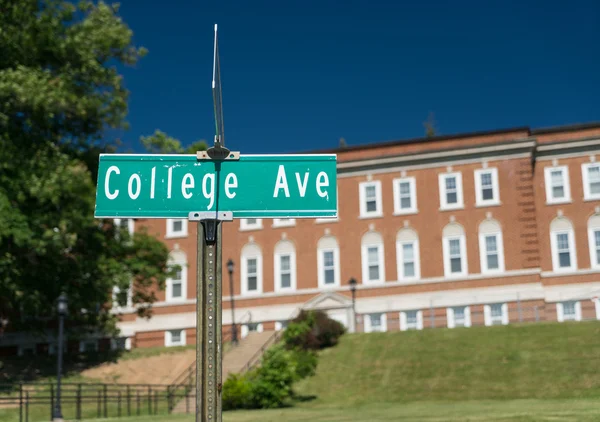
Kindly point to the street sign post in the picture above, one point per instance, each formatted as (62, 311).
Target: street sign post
(172, 186)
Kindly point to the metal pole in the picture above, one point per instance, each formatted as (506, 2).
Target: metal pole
(234, 338)
(57, 414)
(208, 322)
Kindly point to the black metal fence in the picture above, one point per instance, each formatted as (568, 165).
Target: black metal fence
(35, 402)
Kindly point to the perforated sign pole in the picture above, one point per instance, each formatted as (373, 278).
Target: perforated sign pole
(208, 324)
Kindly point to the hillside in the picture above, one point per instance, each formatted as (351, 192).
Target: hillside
(507, 362)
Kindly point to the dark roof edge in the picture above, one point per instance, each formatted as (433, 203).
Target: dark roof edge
(565, 128)
(419, 140)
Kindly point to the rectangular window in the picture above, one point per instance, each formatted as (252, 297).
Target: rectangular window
(492, 258)
(451, 195)
(328, 267)
(88, 346)
(285, 271)
(125, 224)
(591, 180)
(375, 323)
(177, 282)
(373, 262)
(597, 245)
(411, 320)
(175, 338)
(563, 250)
(455, 256)
(405, 196)
(370, 199)
(459, 316)
(568, 311)
(284, 222)
(408, 260)
(557, 184)
(486, 187)
(594, 247)
(176, 227)
(252, 274)
(250, 224)
(496, 314)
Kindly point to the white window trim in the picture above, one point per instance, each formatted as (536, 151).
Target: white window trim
(572, 251)
(259, 275)
(130, 224)
(169, 285)
(548, 184)
(245, 330)
(174, 235)
(459, 191)
(169, 341)
(321, 269)
(363, 197)
(483, 253)
(398, 210)
(283, 222)
(592, 247)
(597, 307)
(277, 269)
(487, 314)
(368, 325)
(450, 316)
(560, 314)
(279, 325)
(244, 226)
(587, 195)
(400, 260)
(113, 343)
(365, 263)
(463, 255)
(116, 291)
(403, 321)
(479, 201)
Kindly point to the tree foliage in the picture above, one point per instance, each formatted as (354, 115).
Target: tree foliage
(60, 91)
(161, 143)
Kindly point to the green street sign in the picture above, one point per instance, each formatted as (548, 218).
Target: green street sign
(173, 186)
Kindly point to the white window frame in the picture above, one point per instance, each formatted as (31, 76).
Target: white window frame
(283, 222)
(113, 343)
(451, 321)
(259, 275)
(277, 264)
(245, 226)
(548, 183)
(479, 201)
(398, 210)
(572, 250)
(116, 291)
(587, 195)
(245, 330)
(459, 191)
(281, 325)
(560, 315)
(483, 253)
(487, 314)
(369, 326)
(130, 224)
(400, 260)
(463, 255)
(363, 199)
(173, 234)
(321, 267)
(380, 262)
(404, 322)
(169, 340)
(594, 263)
(169, 284)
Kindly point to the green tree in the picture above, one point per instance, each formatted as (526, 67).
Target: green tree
(161, 143)
(60, 91)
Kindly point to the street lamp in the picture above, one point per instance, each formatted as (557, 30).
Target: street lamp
(62, 312)
(230, 267)
(352, 283)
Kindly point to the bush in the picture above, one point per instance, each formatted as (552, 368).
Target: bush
(237, 392)
(312, 330)
(305, 362)
(272, 381)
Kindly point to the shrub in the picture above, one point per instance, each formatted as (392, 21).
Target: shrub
(305, 362)
(313, 330)
(237, 392)
(272, 381)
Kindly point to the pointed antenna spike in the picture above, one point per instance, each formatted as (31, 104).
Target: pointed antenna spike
(215, 27)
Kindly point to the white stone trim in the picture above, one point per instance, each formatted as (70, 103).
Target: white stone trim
(548, 185)
(169, 340)
(170, 234)
(362, 188)
(460, 204)
(283, 222)
(479, 201)
(368, 325)
(398, 210)
(244, 226)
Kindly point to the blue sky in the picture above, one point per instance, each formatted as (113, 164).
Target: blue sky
(298, 75)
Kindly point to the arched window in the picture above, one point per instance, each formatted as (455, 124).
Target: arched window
(562, 242)
(328, 261)
(594, 240)
(177, 284)
(491, 247)
(251, 269)
(285, 266)
(454, 249)
(373, 268)
(407, 255)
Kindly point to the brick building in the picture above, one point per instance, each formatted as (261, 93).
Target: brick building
(481, 228)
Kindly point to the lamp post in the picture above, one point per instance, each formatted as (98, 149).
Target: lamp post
(230, 267)
(352, 283)
(62, 312)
